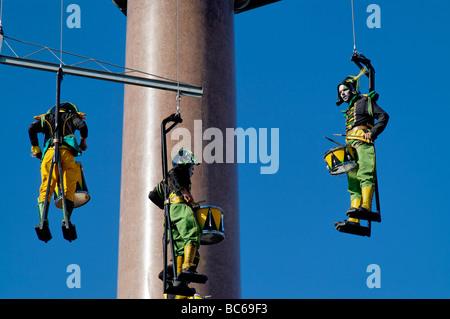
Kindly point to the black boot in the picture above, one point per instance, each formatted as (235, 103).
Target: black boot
(69, 231)
(44, 232)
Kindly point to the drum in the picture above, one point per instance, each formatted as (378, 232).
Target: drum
(81, 192)
(340, 160)
(210, 219)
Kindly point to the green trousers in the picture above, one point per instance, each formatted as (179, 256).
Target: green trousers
(364, 174)
(185, 227)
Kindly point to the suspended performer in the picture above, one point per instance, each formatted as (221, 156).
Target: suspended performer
(69, 121)
(185, 228)
(361, 132)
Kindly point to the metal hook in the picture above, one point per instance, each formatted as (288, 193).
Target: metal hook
(178, 102)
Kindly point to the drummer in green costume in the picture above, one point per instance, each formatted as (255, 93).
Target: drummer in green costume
(186, 230)
(361, 131)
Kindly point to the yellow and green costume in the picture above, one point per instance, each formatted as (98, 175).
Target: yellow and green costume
(186, 230)
(360, 117)
(71, 120)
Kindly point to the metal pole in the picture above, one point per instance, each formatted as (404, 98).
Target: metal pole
(176, 119)
(1, 37)
(377, 196)
(55, 159)
(184, 89)
(46, 202)
(56, 141)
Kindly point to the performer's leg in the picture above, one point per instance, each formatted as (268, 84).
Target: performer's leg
(186, 223)
(178, 242)
(41, 211)
(366, 174)
(71, 174)
(184, 218)
(355, 191)
(45, 172)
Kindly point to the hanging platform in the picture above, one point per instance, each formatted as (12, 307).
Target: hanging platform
(69, 232)
(175, 287)
(179, 288)
(352, 228)
(184, 276)
(191, 276)
(365, 215)
(43, 233)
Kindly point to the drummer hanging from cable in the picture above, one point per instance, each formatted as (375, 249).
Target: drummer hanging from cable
(70, 120)
(186, 230)
(361, 132)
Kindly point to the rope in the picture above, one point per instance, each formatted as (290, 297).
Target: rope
(62, 28)
(363, 71)
(87, 59)
(1, 12)
(178, 59)
(1, 28)
(354, 33)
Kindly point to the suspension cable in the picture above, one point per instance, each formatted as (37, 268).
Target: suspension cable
(62, 28)
(178, 58)
(354, 32)
(1, 12)
(87, 59)
(1, 28)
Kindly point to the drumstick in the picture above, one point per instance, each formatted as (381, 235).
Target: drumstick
(332, 141)
(196, 205)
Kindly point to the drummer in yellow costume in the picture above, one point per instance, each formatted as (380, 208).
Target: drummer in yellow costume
(361, 131)
(71, 120)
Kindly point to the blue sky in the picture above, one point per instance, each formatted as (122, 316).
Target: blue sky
(290, 56)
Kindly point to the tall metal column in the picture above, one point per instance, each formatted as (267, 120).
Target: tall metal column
(206, 56)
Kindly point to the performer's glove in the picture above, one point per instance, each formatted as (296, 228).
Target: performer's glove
(36, 150)
(83, 145)
(187, 195)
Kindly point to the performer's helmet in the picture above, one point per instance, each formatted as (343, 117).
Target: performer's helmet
(64, 105)
(184, 156)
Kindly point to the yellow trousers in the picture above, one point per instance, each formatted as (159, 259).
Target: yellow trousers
(70, 174)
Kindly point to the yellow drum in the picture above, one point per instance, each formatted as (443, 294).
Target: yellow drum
(82, 195)
(340, 160)
(210, 219)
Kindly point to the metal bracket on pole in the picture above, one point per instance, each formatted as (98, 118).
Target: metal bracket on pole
(365, 65)
(182, 88)
(169, 288)
(68, 229)
(42, 230)
(175, 119)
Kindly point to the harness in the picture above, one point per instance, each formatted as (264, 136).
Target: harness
(68, 141)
